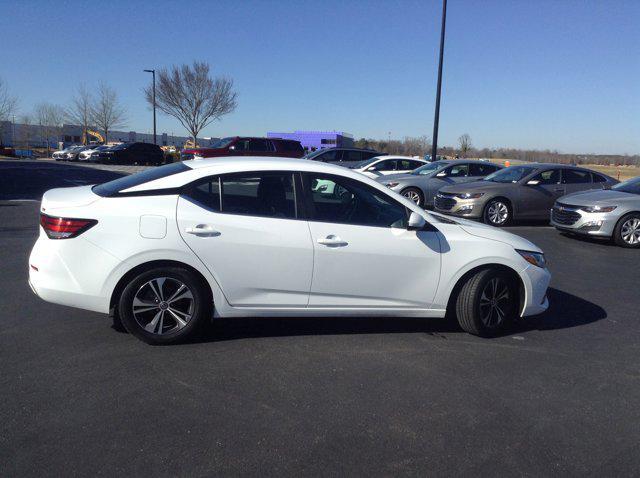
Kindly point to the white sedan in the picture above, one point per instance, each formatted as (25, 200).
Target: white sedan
(383, 165)
(168, 248)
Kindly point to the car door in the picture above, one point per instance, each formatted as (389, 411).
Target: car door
(245, 229)
(575, 180)
(538, 192)
(364, 256)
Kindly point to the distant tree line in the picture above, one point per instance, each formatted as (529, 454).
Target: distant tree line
(420, 146)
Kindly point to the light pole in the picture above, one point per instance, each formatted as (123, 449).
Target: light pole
(436, 120)
(153, 72)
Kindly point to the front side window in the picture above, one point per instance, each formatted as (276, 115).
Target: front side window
(259, 145)
(386, 165)
(352, 156)
(458, 171)
(575, 176)
(598, 178)
(551, 176)
(481, 169)
(346, 201)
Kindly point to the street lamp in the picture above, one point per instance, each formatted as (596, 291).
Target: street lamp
(153, 72)
(436, 121)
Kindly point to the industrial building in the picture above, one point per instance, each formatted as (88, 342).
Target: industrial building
(313, 140)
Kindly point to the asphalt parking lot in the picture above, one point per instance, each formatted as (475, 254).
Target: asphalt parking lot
(558, 395)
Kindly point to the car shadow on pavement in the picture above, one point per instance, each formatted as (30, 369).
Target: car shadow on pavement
(603, 241)
(565, 311)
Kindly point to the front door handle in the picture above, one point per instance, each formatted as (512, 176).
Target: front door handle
(332, 241)
(202, 230)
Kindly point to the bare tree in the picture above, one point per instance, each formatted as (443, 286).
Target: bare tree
(191, 96)
(79, 113)
(465, 144)
(50, 118)
(8, 102)
(106, 111)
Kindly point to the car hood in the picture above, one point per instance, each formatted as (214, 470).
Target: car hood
(479, 229)
(597, 197)
(474, 186)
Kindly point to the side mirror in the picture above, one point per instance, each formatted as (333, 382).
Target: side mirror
(441, 174)
(533, 182)
(416, 222)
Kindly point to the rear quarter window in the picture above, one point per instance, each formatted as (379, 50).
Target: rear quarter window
(117, 185)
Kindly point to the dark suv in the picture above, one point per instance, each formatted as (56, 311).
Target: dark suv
(343, 156)
(131, 153)
(247, 146)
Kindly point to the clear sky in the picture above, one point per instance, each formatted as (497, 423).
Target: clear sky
(557, 74)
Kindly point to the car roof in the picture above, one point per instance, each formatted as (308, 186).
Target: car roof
(198, 168)
(393, 156)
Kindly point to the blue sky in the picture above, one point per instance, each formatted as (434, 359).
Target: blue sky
(558, 74)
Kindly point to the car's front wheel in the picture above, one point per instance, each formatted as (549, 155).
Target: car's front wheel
(415, 195)
(487, 302)
(627, 231)
(497, 213)
(165, 305)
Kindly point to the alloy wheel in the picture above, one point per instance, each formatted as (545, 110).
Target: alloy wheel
(163, 305)
(630, 231)
(498, 212)
(494, 303)
(412, 196)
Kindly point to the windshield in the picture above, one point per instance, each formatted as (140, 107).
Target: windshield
(119, 146)
(631, 186)
(430, 168)
(512, 174)
(222, 143)
(365, 163)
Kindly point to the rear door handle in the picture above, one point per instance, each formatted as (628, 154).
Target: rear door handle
(202, 230)
(332, 241)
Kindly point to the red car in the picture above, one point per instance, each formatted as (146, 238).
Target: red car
(246, 146)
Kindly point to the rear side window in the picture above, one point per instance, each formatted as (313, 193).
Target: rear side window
(263, 194)
(353, 156)
(117, 185)
(259, 145)
(575, 176)
(292, 146)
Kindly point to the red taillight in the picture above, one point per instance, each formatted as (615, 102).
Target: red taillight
(63, 227)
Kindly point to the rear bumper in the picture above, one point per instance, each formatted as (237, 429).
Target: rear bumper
(71, 272)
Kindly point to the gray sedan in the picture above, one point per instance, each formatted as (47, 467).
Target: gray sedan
(518, 192)
(613, 213)
(422, 184)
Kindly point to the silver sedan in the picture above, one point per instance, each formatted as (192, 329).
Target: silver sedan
(422, 184)
(611, 213)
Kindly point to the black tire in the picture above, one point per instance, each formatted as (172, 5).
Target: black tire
(626, 221)
(472, 311)
(497, 204)
(166, 329)
(414, 194)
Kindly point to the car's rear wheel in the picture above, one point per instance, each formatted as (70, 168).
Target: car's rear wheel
(627, 231)
(487, 302)
(165, 305)
(497, 213)
(415, 195)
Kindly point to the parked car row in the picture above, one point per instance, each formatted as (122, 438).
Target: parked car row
(123, 153)
(576, 200)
